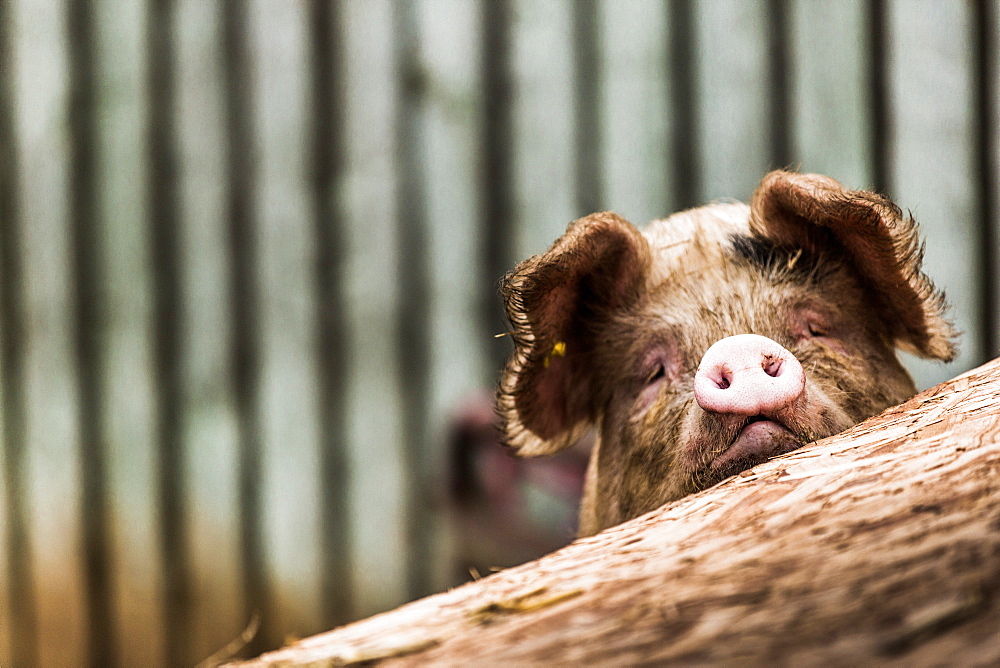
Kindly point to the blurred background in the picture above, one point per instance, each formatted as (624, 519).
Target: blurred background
(249, 254)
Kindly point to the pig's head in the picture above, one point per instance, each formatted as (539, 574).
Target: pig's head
(714, 339)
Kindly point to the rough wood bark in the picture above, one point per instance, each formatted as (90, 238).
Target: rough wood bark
(879, 544)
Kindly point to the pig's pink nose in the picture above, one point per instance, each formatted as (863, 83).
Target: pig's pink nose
(748, 374)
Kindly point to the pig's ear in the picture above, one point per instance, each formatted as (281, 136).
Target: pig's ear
(553, 302)
(816, 212)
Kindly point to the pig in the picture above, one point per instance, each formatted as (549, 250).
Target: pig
(714, 339)
(506, 511)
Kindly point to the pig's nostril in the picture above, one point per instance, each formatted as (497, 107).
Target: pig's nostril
(724, 382)
(772, 366)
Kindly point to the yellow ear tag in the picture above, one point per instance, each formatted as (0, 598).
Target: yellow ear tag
(558, 350)
(795, 258)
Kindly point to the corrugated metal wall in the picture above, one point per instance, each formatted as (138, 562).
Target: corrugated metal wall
(250, 249)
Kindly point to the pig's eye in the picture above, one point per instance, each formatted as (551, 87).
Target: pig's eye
(809, 323)
(815, 329)
(657, 369)
(657, 373)
(654, 375)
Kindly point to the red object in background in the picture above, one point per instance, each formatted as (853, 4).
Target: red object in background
(507, 510)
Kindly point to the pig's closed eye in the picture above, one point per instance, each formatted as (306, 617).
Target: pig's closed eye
(659, 372)
(808, 323)
(819, 329)
(815, 329)
(654, 375)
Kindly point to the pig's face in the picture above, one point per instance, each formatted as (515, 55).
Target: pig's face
(715, 339)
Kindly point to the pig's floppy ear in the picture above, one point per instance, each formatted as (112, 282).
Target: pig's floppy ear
(814, 212)
(552, 302)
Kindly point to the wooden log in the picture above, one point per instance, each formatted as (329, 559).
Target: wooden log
(878, 544)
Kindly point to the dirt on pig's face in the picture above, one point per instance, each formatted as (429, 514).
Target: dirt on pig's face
(645, 336)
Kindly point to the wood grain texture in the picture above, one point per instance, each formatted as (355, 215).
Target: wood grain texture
(881, 543)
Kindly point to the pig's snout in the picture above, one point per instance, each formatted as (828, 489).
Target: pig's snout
(748, 375)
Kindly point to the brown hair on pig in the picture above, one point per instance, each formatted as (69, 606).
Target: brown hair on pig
(610, 325)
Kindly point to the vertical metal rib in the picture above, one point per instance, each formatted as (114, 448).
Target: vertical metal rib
(879, 81)
(86, 281)
(587, 107)
(16, 570)
(683, 103)
(985, 79)
(496, 184)
(168, 321)
(780, 98)
(414, 288)
(245, 363)
(330, 334)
